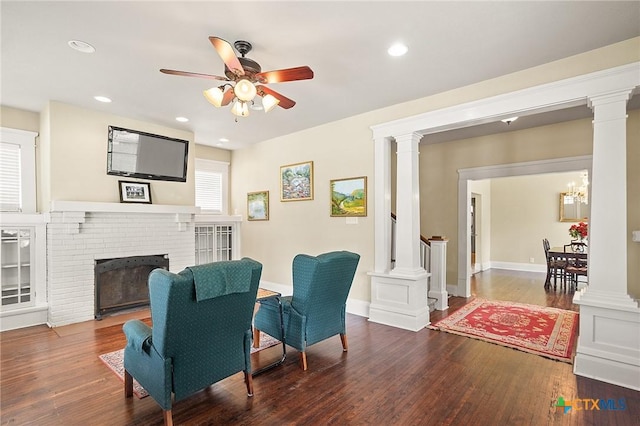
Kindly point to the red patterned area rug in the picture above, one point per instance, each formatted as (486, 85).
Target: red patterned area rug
(114, 360)
(549, 332)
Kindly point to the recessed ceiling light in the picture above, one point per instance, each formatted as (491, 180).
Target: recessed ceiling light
(397, 49)
(81, 46)
(182, 119)
(102, 99)
(223, 140)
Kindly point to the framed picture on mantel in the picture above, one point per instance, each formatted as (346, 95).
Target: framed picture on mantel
(135, 192)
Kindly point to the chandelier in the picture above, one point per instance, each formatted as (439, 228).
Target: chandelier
(580, 193)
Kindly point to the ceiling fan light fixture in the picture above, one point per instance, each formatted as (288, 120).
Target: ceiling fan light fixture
(214, 96)
(240, 109)
(269, 102)
(245, 90)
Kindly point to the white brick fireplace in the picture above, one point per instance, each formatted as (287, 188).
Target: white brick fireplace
(79, 233)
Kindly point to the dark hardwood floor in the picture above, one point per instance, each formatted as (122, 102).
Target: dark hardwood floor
(389, 376)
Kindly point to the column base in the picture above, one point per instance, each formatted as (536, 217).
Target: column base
(609, 342)
(399, 301)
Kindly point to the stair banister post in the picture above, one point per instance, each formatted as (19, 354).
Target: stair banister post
(438, 287)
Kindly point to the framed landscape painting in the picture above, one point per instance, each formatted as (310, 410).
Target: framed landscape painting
(349, 197)
(258, 205)
(296, 182)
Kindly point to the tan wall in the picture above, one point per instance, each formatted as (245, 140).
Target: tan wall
(77, 158)
(524, 210)
(19, 119)
(439, 165)
(345, 148)
(338, 150)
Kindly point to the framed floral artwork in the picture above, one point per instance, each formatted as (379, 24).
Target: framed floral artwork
(258, 205)
(349, 197)
(296, 182)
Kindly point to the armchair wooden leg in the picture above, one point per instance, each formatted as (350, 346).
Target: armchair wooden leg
(303, 360)
(128, 384)
(168, 418)
(256, 338)
(248, 380)
(345, 345)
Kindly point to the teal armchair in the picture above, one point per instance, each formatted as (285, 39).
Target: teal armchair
(316, 310)
(201, 331)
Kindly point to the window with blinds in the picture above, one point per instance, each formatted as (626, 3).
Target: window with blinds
(212, 185)
(10, 182)
(17, 170)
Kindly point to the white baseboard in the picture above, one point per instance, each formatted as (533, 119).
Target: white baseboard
(513, 266)
(25, 317)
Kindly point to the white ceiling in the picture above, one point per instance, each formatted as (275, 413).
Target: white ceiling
(451, 44)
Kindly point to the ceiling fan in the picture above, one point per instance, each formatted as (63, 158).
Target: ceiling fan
(248, 80)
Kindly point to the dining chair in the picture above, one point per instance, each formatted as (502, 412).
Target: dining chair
(575, 247)
(555, 266)
(574, 271)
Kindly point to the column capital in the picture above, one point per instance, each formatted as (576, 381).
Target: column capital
(611, 97)
(408, 137)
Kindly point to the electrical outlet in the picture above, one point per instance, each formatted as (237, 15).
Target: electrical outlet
(531, 260)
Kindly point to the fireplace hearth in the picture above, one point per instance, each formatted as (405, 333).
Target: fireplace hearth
(121, 283)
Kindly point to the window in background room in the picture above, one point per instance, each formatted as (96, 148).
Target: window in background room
(212, 186)
(17, 171)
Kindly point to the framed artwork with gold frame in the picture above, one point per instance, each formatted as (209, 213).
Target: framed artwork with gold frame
(296, 182)
(349, 197)
(258, 205)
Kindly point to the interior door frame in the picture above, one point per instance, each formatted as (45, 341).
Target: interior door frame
(556, 165)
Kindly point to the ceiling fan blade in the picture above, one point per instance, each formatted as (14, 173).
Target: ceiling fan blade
(193, 74)
(285, 102)
(289, 74)
(228, 55)
(228, 96)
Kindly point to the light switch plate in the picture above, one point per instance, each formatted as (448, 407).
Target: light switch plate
(635, 236)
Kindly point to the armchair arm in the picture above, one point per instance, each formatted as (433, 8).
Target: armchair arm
(138, 335)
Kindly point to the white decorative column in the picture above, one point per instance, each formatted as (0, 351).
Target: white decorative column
(609, 341)
(382, 205)
(408, 206)
(399, 298)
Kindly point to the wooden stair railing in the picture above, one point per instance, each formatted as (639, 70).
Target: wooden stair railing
(424, 246)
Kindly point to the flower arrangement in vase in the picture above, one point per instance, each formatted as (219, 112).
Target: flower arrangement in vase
(579, 232)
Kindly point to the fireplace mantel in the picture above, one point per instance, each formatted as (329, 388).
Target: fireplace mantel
(90, 206)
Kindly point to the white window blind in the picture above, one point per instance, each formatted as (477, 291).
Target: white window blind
(212, 185)
(10, 182)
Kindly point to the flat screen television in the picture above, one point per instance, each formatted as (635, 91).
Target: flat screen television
(147, 156)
